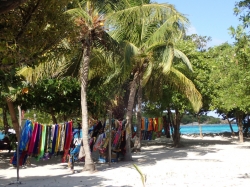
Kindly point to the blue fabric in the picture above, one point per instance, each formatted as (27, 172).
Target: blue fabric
(75, 151)
(25, 135)
(146, 124)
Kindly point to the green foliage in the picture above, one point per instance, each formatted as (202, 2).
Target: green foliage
(230, 76)
(30, 31)
(242, 10)
(53, 96)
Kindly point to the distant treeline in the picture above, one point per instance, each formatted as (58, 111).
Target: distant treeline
(203, 119)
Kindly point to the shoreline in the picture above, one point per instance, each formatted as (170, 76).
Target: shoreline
(206, 124)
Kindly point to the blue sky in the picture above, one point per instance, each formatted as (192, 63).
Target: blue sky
(208, 17)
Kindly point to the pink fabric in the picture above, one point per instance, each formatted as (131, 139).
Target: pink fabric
(118, 134)
(33, 139)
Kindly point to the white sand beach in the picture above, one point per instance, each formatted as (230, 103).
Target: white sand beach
(211, 161)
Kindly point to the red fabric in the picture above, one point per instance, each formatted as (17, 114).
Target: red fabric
(133, 135)
(33, 139)
(69, 137)
(150, 125)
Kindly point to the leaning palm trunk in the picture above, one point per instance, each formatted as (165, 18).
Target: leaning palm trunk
(139, 98)
(84, 70)
(13, 117)
(133, 86)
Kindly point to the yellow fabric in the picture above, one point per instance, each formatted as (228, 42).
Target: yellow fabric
(155, 125)
(160, 124)
(58, 138)
(142, 124)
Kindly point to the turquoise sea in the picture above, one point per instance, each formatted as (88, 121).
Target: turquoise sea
(210, 128)
(194, 129)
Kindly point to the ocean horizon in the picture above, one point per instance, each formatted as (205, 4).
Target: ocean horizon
(207, 128)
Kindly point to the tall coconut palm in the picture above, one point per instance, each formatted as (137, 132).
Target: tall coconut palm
(144, 27)
(89, 17)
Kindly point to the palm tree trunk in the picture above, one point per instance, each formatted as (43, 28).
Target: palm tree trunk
(131, 100)
(139, 98)
(13, 117)
(84, 70)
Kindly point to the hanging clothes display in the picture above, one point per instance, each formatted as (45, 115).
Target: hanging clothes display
(152, 128)
(43, 141)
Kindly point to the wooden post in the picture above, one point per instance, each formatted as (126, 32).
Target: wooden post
(17, 149)
(17, 152)
(110, 121)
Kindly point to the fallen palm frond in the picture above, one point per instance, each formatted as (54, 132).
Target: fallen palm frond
(143, 176)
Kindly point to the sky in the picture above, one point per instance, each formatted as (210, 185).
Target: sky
(208, 18)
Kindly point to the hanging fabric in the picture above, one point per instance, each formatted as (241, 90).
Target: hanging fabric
(58, 138)
(62, 137)
(33, 139)
(26, 135)
(54, 139)
(68, 140)
(43, 140)
(36, 144)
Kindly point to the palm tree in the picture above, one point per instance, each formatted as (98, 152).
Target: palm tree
(89, 18)
(143, 28)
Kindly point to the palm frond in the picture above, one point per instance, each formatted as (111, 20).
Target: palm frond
(147, 74)
(185, 86)
(53, 69)
(130, 51)
(150, 22)
(166, 31)
(167, 60)
(112, 77)
(82, 14)
(183, 57)
(98, 64)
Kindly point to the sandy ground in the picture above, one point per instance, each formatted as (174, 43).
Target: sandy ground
(211, 161)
